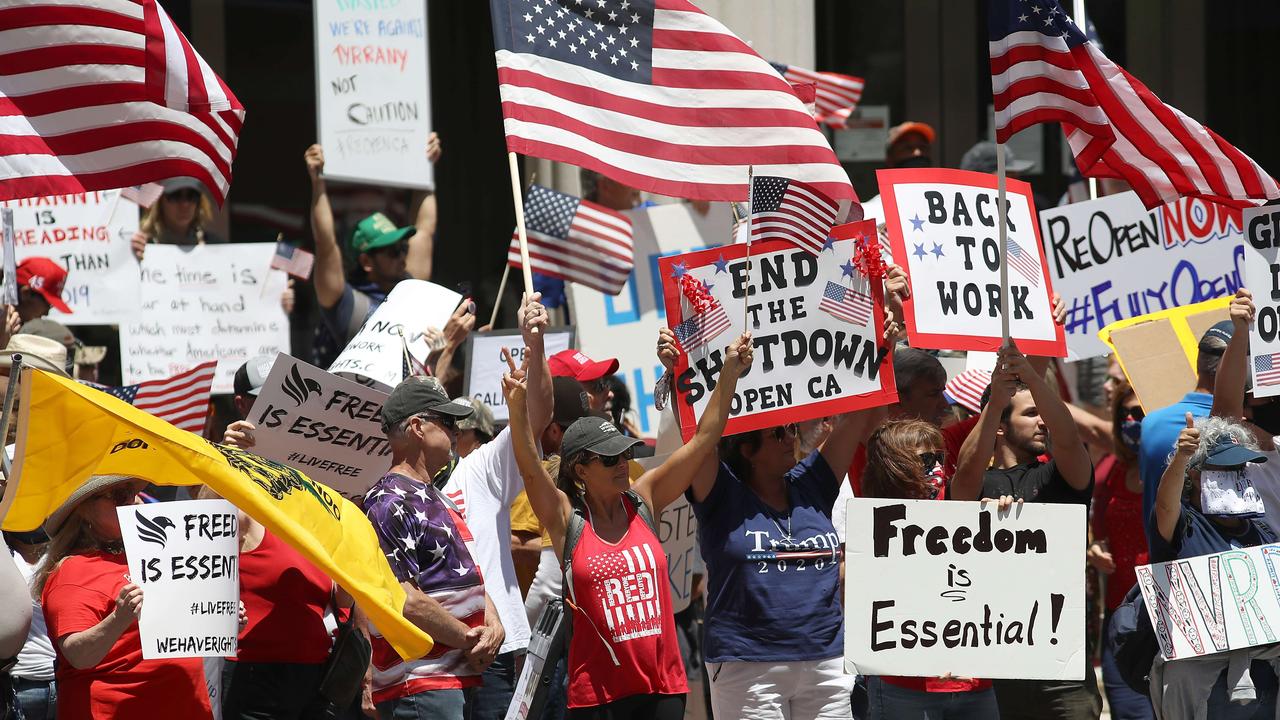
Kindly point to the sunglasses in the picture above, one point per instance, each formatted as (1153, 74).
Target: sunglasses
(930, 460)
(120, 495)
(782, 432)
(397, 250)
(444, 421)
(183, 196)
(613, 460)
(1134, 413)
(597, 386)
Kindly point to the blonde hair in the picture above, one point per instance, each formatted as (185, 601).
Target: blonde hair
(75, 538)
(152, 224)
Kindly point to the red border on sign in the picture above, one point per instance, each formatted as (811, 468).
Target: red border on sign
(887, 180)
(887, 393)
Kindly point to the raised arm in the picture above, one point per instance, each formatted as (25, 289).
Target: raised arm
(1233, 370)
(328, 276)
(1169, 494)
(848, 432)
(422, 245)
(548, 502)
(687, 466)
(534, 320)
(978, 448)
(1069, 452)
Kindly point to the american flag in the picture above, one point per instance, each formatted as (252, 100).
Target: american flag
(1044, 69)
(791, 210)
(295, 261)
(836, 95)
(1022, 262)
(846, 304)
(655, 94)
(181, 400)
(1266, 369)
(575, 240)
(144, 195)
(103, 94)
(705, 317)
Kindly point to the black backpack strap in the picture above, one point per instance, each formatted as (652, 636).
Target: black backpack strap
(642, 509)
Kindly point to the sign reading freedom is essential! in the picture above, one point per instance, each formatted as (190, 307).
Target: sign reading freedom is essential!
(1262, 276)
(186, 558)
(943, 226)
(963, 589)
(815, 321)
(485, 366)
(328, 427)
(373, 99)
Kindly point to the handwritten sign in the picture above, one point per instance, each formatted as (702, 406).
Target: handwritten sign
(1262, 276)
(201, 303)
(816, 329)
(88, 234)
(485, 365)
(326, 426)
(942, 224)
(965, 590)
(375, 356)
(186, 558)
(1112, 259)
(373, 91)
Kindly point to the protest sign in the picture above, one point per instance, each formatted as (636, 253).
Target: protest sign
(373, 91)
(185, 556)
(1213, 603)
(1112, 259)
(960, 588)
(485, 366)
(816, 323)
(942, 225)
(626, 327)
(200, 303)
(88, 234)
(376, 354)
(1262, 276)
(326, 426)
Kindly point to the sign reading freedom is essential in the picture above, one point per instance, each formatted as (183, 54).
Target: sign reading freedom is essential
(201, 303)
(1262, 276)
(88, 235)
(943, 227)
(485, 366)
(815, 323)
(962, 589)
(324, 425)
(373, 91)
(1112, 259)
(376, 354)
(186, 558)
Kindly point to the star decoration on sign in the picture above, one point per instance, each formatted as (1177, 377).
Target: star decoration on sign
(917, 223)
(937, 250)
(829, 243)
(847, 269)
(919, 251)
(706, 286)
(678, 270)
(721, 264)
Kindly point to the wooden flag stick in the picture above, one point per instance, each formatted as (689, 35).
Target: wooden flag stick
(746, 294)
(506, 265)
(502, 288)
(518, 198)
(1002, 221)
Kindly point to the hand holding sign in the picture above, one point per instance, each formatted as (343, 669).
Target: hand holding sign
(1242, 310)
(129, 604)
(533, 320)
(667, 350)
(738, 356)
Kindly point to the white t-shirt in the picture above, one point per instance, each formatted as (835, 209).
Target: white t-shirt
(35, 662)
(483, 486)
(837, 510)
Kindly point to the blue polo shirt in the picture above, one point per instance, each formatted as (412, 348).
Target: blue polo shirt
(1160, 431)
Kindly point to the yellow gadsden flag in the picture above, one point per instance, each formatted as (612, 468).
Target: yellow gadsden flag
(68, 432)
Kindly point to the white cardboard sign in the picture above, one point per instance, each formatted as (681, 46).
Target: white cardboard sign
(328, 427)
(1262, 276)
(201, 303)
(964, 590)
(485, 366)
(185, 556)
(376, 354)
(87, 234)
(373, 91)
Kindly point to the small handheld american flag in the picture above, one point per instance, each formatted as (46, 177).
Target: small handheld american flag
(846, 304)
(295, 261)
(791, 210)
(705, 318)
(181, 400)
(836, 96)
(575, 240)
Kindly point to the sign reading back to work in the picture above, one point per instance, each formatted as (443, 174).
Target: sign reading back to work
(186, 558)
(943, 227)
(1262, 276)
(373, 96)
(963, 589)
(485, 366)
(815, 322)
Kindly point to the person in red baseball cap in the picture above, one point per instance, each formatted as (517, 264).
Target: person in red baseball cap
(592, 374)
(40, 282)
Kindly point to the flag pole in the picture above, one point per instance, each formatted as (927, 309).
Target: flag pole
(502, 288)
(1078, 13)
(506, 265)
(6, 417)
(746, 293)
(1002, 221)
(518, 198)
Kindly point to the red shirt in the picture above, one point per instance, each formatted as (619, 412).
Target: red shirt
(80, 594)
(1117, 518)
(285, 597)
(624, 635)
(953, 436)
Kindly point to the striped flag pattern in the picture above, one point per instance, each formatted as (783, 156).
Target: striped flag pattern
(836, 96)
(655, 94)
(701, 328)
(575, 240)
(965, 389)
(1266, 369)
(1023, 263)
(102, 94)
(293, 260)
(846, 304)
(181, 400)
(1044, 69)
(791, 210)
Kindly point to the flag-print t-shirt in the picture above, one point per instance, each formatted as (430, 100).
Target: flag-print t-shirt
(773, 578)
(427, 544)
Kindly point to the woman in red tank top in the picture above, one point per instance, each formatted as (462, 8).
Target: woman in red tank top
(624, 661)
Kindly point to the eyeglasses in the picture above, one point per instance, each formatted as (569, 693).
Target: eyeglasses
(782, 432)
(613, 460)
(120, 495)
(930, 460)
(448, 423)
(183, 196)
(1134, 413)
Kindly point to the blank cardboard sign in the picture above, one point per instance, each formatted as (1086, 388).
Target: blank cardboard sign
(1158, 351)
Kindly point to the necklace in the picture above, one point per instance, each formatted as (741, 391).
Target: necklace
(786, 534)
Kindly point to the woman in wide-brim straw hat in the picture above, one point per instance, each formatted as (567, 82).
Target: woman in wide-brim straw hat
(92, 608)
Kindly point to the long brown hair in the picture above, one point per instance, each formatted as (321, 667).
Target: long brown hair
(74, 538)
(893, 467)
(1122, 393)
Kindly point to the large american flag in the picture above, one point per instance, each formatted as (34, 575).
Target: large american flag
(1044, 69)
(846, 304)
(655, 94)
(791, 210)
(575, 240)
(1023, 263)
(102, 94)
(836, 96)
(181, 400)
(1266, 369)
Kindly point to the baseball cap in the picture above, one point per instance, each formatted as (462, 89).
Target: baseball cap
(52, 329)
(574, 364)
(46, 277)
(173, 185)
(597, 435)
(1229, 453)
(982, 158)
(377, 231)
(481, 420)
(1215, 339)
(911, 126)
(571, 403)
(251, 376)
(419, 394)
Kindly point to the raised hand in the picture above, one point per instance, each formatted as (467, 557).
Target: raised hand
(459, 325)
(1242, 309)
(667, 349)
(239, 434)
(534, 319)
(1188, 439)
(314, 157)
(514, 387)
(433, 148)
(138, 243)
(739, 354)
(1059, 307)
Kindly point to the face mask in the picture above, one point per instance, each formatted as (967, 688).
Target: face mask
(1131, 434)
(916, 161)
(1229, 494)
(1267, 417)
